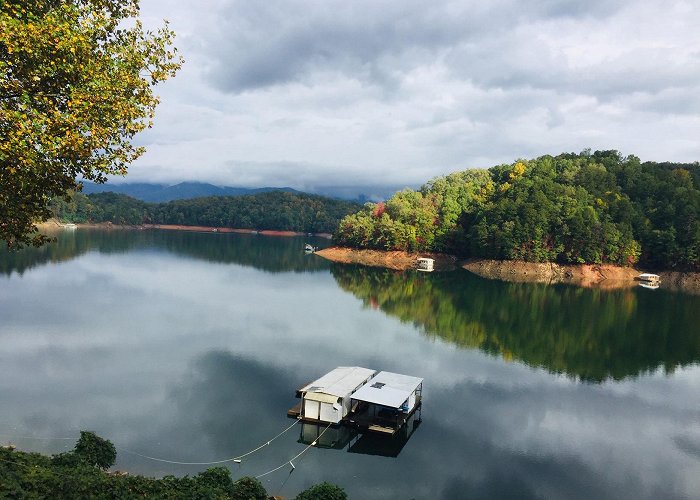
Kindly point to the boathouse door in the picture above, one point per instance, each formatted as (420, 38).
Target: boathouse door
(312, 409)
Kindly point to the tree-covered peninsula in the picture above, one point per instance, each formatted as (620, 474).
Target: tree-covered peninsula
(597, 207)
(277, 210)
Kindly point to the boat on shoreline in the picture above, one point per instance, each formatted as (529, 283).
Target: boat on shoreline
(649, 278)
(425, 264)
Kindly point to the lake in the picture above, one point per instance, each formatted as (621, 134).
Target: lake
(189, 347)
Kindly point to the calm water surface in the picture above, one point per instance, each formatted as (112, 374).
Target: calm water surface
(189, 347)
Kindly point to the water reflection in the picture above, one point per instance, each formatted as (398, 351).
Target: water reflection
(345, 438)
(267, 253)
(589, 334)
(180, 357)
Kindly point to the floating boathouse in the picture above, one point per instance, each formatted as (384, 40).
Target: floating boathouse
(360, 398)
(386, 402)
(328, 399)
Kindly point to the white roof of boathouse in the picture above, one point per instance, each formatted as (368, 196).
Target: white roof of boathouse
(388, 389)
(340, 381)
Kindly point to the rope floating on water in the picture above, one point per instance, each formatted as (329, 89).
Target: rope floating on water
(290, 461)
(232, 459)
(236, 459)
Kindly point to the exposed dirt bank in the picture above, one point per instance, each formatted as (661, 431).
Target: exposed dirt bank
(197, 229)
(49, 224)
(53, 224)
(586, 275)
(603, 276)
(210, 229)
(684, 282)
(378, 258)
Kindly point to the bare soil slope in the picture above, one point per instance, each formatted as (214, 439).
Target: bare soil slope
(389, 259)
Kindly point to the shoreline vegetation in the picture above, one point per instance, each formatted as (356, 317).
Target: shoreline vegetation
(587, 219)
(52, 225)
(603, 276)
(589, 208)
(85, 472)
(268, 211)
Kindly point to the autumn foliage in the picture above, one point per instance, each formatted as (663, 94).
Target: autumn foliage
(76, 80)
(572, 208)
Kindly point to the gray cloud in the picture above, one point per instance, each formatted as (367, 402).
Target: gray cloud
(309, 93)
(272, 43)
(279, 42)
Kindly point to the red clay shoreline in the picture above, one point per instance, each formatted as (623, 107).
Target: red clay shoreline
(53, 224)
(602, 276)
(391, 259)
(210, 229)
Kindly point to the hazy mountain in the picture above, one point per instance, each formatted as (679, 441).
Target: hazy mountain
(157, 193)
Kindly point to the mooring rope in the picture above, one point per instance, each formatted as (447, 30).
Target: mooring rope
(288, 462)
(313, 443)
(232, 459)
(121, 448)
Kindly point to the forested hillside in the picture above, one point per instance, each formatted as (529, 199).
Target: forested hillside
(572, 208)
(273, 210)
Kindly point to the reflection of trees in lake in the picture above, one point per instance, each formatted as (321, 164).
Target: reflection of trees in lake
(586, 333)
(267, 253)
(66, 247)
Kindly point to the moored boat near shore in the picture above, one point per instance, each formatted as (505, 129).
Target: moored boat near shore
(649, 278)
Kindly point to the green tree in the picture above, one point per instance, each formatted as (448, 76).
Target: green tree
(95, 450)
(323, 491)
(248, 488)
(80, 474)
(215, 479)
(572, 208)
(76, 80)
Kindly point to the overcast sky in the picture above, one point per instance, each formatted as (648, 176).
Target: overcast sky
(314, 93)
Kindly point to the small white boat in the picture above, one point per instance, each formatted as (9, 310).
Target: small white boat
(309, 249)
(70, 225)
(649, 278)
(425, 264)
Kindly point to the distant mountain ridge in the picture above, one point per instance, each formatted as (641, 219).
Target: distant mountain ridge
(159, 193)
